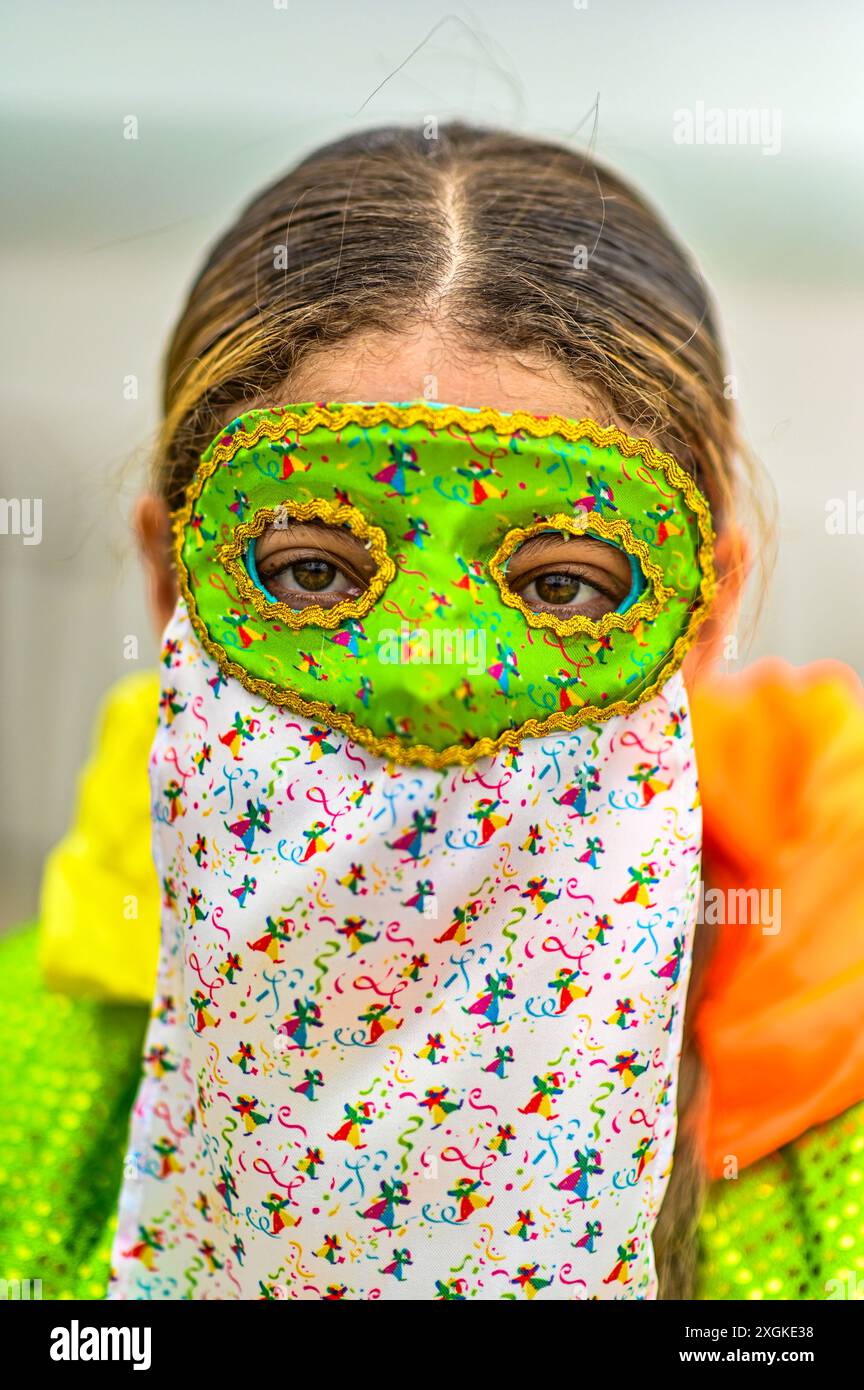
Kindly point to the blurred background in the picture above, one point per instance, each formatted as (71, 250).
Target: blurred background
(101, 235)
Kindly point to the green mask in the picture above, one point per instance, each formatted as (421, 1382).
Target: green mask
(438, 661)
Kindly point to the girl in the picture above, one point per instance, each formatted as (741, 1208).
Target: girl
(488, 276)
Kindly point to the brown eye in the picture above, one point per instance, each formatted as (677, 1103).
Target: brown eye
(295, 581)
(558, 588)
(313, 575)
(569, 576)
(311, 565)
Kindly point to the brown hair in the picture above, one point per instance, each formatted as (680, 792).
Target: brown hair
(512, 243)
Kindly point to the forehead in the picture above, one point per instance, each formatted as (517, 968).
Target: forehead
(427, 362)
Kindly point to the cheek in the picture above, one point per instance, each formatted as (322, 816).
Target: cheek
(162, 596)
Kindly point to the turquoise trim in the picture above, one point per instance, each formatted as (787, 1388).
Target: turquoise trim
(637, 583)
(252, 570)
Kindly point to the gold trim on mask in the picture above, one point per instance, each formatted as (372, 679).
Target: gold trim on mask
(645, 608)
(401, 417)
(230, 554)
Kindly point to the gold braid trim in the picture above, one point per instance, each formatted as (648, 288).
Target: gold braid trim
(322, 508)
(401, 417)
(645, 608)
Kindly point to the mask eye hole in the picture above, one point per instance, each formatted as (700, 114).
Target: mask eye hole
(579, 574)
(572, 576)
(308, 564)
(305, 563)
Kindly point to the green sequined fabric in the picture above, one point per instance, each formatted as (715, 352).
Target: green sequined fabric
(70, 1073)
(792, 1225)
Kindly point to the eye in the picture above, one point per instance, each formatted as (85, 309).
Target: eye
(311, 563)
(559, 589)
(569, 576)
(310, 574)
(317, 576)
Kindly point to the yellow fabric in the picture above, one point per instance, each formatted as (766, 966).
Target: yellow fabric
(99, 910)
